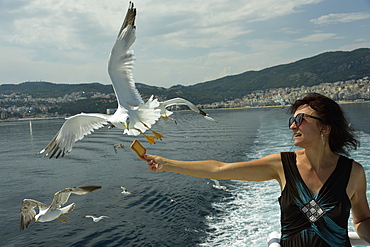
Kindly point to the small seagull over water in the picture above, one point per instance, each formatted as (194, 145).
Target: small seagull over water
(125, 191)
(54, 210)
(133, 115)
(117, 146)
(217, 185)
(96, 219)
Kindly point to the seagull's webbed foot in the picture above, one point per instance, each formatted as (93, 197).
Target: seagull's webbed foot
(165, 117)
(156, 134)
(150, 139)
(69, 217)
(62, 220)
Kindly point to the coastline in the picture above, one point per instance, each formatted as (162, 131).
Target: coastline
(207, 109)
(28, 118)
(276, 106)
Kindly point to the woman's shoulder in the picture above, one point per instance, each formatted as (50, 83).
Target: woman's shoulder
(275, 157)
(357, 169)
(357, 182)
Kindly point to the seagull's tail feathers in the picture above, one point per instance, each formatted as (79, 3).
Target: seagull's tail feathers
(68, 209)
(148, 114)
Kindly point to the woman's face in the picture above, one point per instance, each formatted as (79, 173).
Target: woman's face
(309, 131)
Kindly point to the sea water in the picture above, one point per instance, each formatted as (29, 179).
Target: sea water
(165, 209)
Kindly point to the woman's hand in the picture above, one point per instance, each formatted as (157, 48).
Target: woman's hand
(155, 163)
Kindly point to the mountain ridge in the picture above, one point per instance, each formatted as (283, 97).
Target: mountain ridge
(325, 67)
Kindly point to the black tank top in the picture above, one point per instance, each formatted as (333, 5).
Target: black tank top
(318, 220)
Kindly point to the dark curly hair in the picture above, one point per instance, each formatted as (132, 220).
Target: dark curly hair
(342, 138)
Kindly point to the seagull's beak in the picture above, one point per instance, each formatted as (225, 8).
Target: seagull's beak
(126, 125)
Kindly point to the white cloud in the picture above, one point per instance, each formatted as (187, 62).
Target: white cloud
(288, 30)
(361, 40)
(340, 18)
(207, 37)
(318, 37)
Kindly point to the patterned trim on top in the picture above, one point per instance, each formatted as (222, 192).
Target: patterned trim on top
(313, 211)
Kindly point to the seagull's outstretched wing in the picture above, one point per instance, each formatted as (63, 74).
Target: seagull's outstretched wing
(61, 197)
(74, 129)
(121, 61)
(181, 101)
(28, 212)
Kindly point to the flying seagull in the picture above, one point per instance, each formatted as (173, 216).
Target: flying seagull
(133, 115)
(96, 219)
(217, 185)
(125, 191)
(54, 210)
(117, 146)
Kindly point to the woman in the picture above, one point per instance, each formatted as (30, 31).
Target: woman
(319, 185)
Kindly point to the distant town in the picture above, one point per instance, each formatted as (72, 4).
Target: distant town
(20, 106)
(341, 91)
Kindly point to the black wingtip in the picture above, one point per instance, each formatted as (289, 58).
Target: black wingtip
(202, 113)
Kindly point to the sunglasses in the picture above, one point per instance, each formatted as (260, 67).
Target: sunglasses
(299, 118)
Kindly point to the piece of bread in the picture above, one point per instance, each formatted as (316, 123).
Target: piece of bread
(138, 148)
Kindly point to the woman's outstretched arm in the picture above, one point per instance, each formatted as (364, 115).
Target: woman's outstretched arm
(266, 168)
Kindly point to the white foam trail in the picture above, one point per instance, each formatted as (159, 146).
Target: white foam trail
(31, 128)
(253, 210)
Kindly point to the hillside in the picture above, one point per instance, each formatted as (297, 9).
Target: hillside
(326, 67)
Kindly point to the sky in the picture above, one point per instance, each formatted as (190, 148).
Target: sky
(178, 42)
